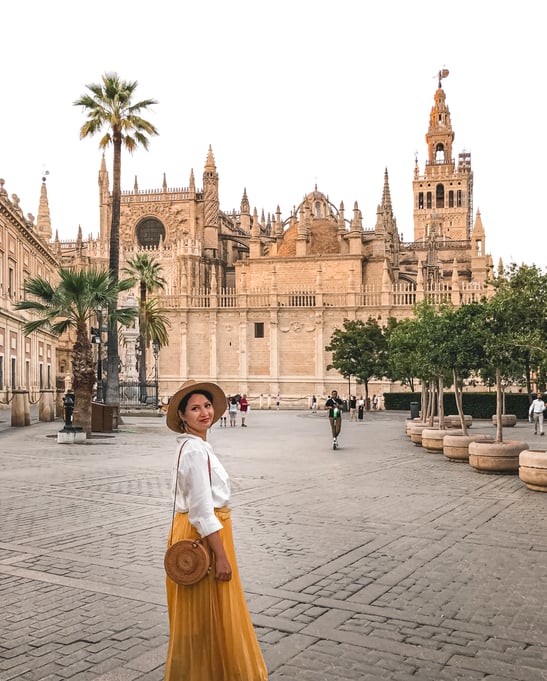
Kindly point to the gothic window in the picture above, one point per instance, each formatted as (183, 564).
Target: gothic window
(317, 209)
(429, 201)
(451, 198)
(439, 198)
(459, 198)
(479, 247)
(421, 200)
(150, 232)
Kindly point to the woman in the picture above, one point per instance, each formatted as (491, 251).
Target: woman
(211, 633)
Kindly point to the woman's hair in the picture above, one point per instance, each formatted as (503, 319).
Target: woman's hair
(184, 402)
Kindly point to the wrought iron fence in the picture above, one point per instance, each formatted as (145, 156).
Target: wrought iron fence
(136, 395)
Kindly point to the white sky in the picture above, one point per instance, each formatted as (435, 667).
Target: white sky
(288, 94)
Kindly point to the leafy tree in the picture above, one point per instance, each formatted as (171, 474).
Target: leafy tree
(72, 304)
(147, 272)
(110, 105)
(464, 346)
(403, 357)
(359, 349)
(515, 328)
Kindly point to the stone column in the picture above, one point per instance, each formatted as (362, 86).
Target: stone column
(46, 407)
(20, 409)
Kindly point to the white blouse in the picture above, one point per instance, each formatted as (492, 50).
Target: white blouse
(196, 494)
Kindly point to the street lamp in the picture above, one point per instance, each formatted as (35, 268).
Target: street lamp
(156, 352)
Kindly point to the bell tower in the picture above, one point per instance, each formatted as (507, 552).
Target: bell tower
(443, 194)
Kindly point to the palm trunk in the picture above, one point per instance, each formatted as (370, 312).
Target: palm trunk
(83, 377)
(142, 344)
(112, 393)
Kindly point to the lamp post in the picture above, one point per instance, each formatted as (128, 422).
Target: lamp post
(97, 338)
(156, 352)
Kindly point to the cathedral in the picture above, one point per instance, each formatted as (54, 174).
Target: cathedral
(253, 300)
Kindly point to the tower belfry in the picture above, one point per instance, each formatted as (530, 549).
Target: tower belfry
(443, 194)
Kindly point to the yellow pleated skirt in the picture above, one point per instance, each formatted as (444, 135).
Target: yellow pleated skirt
(211, 633)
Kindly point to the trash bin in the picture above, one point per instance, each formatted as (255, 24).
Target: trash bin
(104, 417)
(414, 410)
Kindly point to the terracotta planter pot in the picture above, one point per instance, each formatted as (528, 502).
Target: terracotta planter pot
(533, 469)
(432, 438)
(507, 420)
(496, 457)
(456, 447)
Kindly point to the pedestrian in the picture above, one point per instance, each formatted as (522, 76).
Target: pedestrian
(243, 408)
(211, 635)
(232, 410)
(313, 404)
(277, 401)
(375, 402)
(334, 405)
(224, 415)
(360, 408)
(535, 414)
(353, 408)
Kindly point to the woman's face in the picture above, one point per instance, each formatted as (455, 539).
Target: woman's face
(198, 415)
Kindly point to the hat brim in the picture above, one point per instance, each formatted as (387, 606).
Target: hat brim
(173, 420)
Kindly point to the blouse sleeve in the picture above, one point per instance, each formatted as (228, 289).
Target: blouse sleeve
(197, 489)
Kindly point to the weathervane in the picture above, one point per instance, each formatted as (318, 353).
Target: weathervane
(443, 73)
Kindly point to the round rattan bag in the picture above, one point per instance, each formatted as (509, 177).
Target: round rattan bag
(188, 561)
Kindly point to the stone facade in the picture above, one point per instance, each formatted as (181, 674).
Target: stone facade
(253, 300)
(26, 362)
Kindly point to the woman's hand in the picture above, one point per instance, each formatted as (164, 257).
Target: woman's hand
(223, 569)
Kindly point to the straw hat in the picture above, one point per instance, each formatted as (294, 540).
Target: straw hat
(219, 402)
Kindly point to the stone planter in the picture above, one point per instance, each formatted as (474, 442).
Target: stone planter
(456, 447)
(496, 457)
(416, 433)
(533, 469)
(507, 420)
(410, 423)
(453, 421)
(432, 438)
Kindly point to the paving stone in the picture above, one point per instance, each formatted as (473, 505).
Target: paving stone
(378, 563)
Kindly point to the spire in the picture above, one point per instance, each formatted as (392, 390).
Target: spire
(136, 186)
(210, 163)
(192, 181)
(43, 222)
(386, 194)
(164, 185)
(245, 205)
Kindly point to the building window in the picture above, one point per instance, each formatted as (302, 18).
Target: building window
(421, 200)
(41, 369)
(150, 232)
(459, 198)
(429, 201)
(13, 373)
(259, 329)
(1, 372)
(49, 376)
(439, 198)
(451, 198)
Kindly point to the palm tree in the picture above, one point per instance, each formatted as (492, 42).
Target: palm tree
(73, 304)
(110, 105)
(147, 272)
